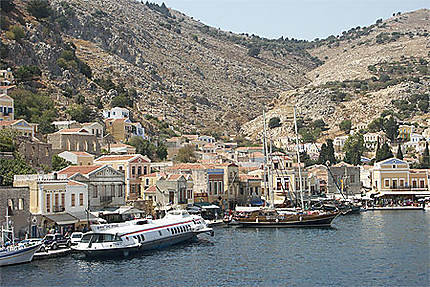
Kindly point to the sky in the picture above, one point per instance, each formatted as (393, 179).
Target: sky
(299, 19)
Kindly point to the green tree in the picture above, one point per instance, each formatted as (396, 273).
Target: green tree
(305, 159)
(59, 163)
(7, 5)
(376, 125)
(322, 158)
(161, 151)
(319, 124)
(383, 153)
(39, 8)
(11, 167)
(186, 154)
(144, 147)
(423, 105)
(254, 51)
(7, 140)
(345, 126)
(81, 113)
(330, 152)
(121, 101)
(274, 122)
(425, 159)
(35, 108)
(391, 128)
(399, 154)
(354, 148)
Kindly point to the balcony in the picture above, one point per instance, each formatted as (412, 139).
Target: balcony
(58, 208)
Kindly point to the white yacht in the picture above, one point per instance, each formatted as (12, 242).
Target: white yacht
(123, 239)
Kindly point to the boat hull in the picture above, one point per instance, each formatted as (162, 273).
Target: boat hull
(323, 221)
(24, 255)
(145, 246)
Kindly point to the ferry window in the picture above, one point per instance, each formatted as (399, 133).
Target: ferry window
(86, 238)
(143, 237)
(159, 232)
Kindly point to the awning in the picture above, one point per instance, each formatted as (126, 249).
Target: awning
(415, 193)
(62, 218)
(82, 216)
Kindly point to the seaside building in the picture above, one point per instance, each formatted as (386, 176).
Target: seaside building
(106, 186)
(133, 166)
(393, 179)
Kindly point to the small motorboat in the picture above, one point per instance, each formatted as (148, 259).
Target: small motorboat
(18, 253)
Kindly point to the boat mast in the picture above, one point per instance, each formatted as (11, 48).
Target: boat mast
(298, 159)
(266, 167)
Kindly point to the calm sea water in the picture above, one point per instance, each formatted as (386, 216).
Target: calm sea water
(370, 249)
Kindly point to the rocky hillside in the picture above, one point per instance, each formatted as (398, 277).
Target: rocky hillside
(366, 71)
(159, 62)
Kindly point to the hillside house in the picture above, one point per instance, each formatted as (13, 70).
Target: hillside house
(7, 112)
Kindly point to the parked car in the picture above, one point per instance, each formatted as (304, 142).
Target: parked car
(76, 237)
(53, 241)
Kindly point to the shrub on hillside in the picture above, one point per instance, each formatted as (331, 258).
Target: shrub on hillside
(39, 8)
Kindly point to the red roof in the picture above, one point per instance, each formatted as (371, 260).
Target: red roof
(174, 176)
(75, 130)
(116, 157)
(83, 169)
(7, 123)
(81, 153)
(152, 188)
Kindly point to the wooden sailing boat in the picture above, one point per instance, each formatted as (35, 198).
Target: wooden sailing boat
(272, 217)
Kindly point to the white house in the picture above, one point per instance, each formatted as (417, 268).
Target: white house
(77, 157)
(339, 142)
(208, 139)
(116, 113)
(94, 128)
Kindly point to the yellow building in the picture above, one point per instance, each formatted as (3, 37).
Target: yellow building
(22, 127)
(393, 178)
(6, 77)
(77, 157)
(6, 108)
(405, 132)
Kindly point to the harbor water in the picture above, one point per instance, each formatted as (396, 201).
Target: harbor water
(375, 248)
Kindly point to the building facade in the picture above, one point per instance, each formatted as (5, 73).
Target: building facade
(133, 166)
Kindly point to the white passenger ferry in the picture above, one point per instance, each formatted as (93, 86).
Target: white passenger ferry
(123, 239)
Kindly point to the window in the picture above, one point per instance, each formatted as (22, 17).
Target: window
(48, 203)
(95, 191)
(10, 204)
(72, 199)
(387, 183)
(414, 183)
(139, 170)
(421, 183)
(20, 203)
(133, 170)
(147, 181)
(56, 200)
(63, 200)
(145, 170)
(81, 199)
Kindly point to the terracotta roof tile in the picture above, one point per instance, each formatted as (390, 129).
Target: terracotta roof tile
(83, 169)
(115, 157)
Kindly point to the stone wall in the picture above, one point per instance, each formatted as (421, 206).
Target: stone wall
(19, 200)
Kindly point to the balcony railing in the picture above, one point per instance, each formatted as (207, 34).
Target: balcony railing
(58, 208)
